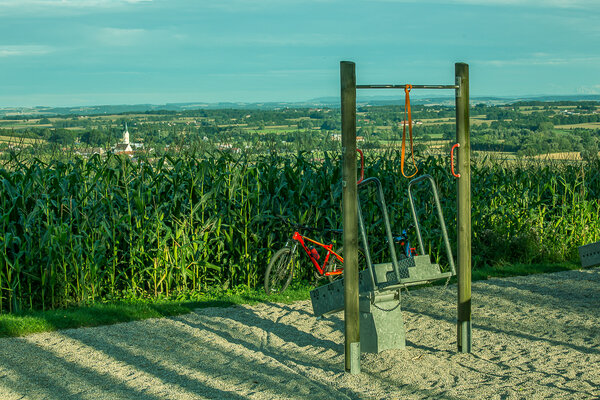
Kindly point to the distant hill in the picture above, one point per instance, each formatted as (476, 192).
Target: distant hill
(317, 102)
(142, 108)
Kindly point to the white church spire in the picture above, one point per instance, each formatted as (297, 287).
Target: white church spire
(126, 135)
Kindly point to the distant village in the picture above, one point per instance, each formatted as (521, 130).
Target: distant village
(124, 147)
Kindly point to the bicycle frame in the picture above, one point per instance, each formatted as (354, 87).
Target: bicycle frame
(404, 243)
(320, 268)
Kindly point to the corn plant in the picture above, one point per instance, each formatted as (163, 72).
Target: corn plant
(78, 231)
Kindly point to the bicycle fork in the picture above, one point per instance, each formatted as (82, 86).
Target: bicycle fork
(290, 258)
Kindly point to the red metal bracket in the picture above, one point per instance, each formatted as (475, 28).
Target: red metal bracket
(452, 160)
(362, 166)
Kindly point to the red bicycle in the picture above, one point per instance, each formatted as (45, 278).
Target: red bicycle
(327, 262)
(280, 270)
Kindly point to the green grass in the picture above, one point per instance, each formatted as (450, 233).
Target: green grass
(506, 270)
(25, 323)
(20, 324)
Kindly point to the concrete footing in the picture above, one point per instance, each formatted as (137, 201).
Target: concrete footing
(381, 324)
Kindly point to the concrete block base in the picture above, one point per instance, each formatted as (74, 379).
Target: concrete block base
(381, 326)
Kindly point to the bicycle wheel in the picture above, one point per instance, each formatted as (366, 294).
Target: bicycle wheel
(362, 263)
(279, 271)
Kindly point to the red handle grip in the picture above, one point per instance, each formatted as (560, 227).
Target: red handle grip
(362, 166)
(452, 160)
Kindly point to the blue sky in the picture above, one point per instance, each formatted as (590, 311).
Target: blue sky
(86, 52)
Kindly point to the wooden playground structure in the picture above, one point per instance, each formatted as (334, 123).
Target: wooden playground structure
(372, 298)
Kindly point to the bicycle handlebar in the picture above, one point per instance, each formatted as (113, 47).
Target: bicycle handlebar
(400, 236)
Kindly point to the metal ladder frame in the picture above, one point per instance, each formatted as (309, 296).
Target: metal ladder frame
(376, 287)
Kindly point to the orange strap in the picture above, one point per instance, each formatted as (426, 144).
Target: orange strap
(407, 119)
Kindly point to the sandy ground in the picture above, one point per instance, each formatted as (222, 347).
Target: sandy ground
(533, 337)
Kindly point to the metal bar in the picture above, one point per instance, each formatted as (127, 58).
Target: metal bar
(440, 214)
(350, 217)
(403, 86)
(589, 255)
(413, 211)
(366, 248)
(463, 209)
(388, 229)
(443, 226)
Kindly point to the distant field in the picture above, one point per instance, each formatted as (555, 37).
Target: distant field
(588, 125)
(478, 120)
(437, 143)
(273, 129)
(436, 121)
(496, 155)
(19, 124)
(18, 140)
(232, 125)
(530, 108)
(568, 155)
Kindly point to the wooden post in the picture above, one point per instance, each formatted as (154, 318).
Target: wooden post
(463, 208)
(350, 217)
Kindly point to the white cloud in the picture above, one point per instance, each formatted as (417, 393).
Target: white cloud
(60, 7)
(542, 59)
(312, 72)
(121, 37)
(269, 40)
(593, 89)
(24, 50)
(536, 3)
(253, 5)
(69, 3)
(582, 4)
(129, 37)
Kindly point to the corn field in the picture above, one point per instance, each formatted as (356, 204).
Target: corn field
(99, 229)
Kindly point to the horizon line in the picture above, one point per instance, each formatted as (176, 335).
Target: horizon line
(323, 99)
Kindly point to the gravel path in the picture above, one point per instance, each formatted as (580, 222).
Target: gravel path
(534, 337)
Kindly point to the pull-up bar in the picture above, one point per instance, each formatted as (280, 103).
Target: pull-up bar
(350, 213)
(403, 86)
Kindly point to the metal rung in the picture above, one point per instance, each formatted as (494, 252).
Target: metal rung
(415, 270)
(392, 86)
(590, 255)
(329, 298)
(407, 283)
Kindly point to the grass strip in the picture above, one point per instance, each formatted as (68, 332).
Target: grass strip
(12, 325)
(25, 323)
(506, 270)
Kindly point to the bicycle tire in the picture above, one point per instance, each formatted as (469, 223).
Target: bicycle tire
(362, 263)
(280, 271)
